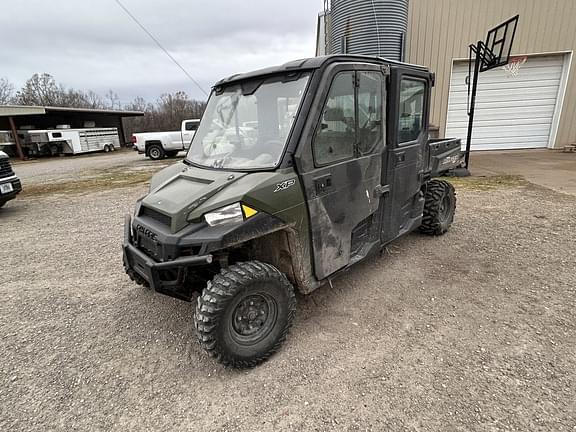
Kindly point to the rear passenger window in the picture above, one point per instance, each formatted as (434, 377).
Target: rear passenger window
(335, 136)
(191, 126)
(369, 111)
(411, 110)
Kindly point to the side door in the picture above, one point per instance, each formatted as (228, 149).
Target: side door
(407, 145)
(341, 186)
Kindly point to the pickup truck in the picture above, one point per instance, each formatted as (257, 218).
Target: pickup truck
(158, 145)
(10, 185)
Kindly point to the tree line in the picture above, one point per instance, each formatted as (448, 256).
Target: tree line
(166, 113)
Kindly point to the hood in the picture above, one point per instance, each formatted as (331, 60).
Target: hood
(179, 189)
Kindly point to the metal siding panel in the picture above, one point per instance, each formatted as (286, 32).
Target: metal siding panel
(544, 27)
(567, 127)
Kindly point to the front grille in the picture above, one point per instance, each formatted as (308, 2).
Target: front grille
(5, 168)
(157, 216)
(150, 247)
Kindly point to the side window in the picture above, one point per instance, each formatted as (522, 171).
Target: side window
(56, 134)
(369, 111)
(335, 136)
(191, 126)
(411, 109)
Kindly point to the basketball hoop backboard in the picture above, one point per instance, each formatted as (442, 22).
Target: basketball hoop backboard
(498, 45)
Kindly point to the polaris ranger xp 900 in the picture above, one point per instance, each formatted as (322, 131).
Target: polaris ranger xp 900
(296, 173)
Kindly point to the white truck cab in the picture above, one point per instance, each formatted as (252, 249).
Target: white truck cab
(158, 145)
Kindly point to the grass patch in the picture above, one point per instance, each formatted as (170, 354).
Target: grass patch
(487, 183)
(121, 177)
(106, 179)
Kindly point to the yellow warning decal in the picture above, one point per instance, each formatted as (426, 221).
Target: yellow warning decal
(248, 211)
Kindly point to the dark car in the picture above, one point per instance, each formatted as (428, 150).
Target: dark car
(10, 184)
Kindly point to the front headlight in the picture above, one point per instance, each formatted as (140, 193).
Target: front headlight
(225, 215)
(234, 213)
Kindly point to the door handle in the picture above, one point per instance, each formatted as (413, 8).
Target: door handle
(323, 184)
(400, 157)
(381, 190)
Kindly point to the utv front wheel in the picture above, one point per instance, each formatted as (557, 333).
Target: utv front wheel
(439, 207)
(244, 314)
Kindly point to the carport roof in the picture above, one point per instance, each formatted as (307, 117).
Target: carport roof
(22, 110)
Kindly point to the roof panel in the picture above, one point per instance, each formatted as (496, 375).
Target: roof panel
(20, 110)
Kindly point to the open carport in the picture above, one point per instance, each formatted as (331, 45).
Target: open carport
(15, 117)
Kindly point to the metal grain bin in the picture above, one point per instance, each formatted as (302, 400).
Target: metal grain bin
(369, 27)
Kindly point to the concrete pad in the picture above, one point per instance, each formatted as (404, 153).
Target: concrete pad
(549, 168)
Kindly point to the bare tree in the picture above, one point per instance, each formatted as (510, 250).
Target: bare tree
(112, 100)
(93, 100)
(139, 104)
(6, 91)
(166, 114)
(173, 108)
(41, 90)
(80, 99)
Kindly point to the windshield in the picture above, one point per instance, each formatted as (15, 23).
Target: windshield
(246, 125)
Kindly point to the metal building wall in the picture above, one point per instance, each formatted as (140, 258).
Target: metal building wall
(440, 31)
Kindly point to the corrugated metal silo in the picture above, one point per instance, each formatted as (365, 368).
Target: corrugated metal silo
(369, 27)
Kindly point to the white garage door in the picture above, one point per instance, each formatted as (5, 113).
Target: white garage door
(511, 112)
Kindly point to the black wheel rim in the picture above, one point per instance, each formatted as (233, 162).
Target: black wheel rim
(445, 208)
(253, 318)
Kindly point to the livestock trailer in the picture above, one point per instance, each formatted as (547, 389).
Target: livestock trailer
(70, 141)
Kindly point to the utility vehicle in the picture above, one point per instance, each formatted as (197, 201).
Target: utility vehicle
(296, 173)
(158, 145)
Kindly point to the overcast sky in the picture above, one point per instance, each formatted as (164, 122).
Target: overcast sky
(93, 44)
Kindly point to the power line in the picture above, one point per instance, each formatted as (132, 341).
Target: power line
(160, 46)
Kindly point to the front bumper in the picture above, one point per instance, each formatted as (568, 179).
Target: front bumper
(16, 186)
(151, 270)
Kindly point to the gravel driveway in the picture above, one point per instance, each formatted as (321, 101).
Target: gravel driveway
(70, 168)
(474, 330)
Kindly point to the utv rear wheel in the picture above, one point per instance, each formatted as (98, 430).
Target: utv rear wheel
(244, 314)
(439, 207)
(156, 152)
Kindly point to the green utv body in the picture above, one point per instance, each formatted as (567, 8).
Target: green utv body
(296, 173)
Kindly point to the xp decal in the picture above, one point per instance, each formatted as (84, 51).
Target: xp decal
(285, 185)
